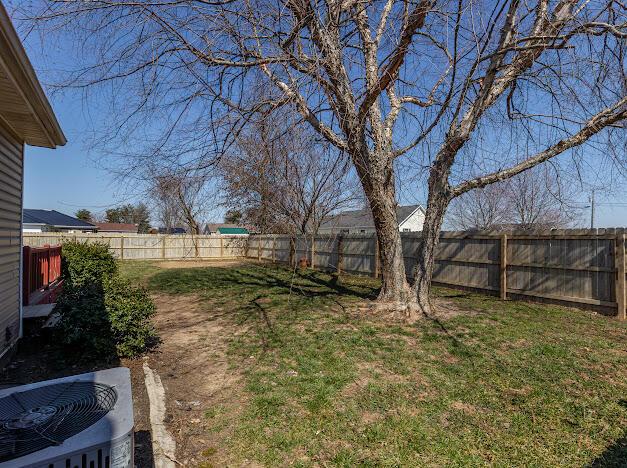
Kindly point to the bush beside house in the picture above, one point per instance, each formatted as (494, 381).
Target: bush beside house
(101, 313)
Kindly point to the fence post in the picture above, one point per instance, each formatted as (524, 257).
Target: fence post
(503, 282)
(122, 247)
(258, 249)
(163, 247)
(274, 248)
(377, 259)
(619, 259)
(26, 278)
(221, 247)
(313, 252)
(340, 253)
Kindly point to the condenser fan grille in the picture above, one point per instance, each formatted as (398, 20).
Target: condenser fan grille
(45, 416)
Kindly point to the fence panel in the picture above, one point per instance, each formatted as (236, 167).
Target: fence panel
(468, 261)
(139, 247)
(152, 246)
(358, 254)
(266, 246)
(282, 251)
(325, 252)
(569, 266)
(574, 269)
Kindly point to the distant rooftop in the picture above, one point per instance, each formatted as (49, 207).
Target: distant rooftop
(232, 230)
(363, 218)
(222, 228)
(53, 218)
(173, 230)
(117, 227)
(213, 227)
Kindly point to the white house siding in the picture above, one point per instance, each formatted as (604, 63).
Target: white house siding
(414, 222)
(347, 230)
(11, 170)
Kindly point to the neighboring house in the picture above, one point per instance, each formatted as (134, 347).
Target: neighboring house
(53, 221)
(126, 228)
(225, 228)
(26, 118)
(410, 219)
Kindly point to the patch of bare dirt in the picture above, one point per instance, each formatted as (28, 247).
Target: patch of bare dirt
(464, 407)
(203, 389)
(446, 309)
(193, 366)
(441, 309)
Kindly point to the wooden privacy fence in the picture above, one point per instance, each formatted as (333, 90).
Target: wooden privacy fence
(576, 267)
(152, 246)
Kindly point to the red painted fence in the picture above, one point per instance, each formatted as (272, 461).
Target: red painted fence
(41, 274)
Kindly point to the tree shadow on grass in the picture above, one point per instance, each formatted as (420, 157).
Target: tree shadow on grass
(275, 280)
(268, 299)
(616, 454)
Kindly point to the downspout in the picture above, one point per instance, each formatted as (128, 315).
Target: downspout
(21, 278)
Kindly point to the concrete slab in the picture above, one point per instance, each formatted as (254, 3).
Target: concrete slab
(37, 311)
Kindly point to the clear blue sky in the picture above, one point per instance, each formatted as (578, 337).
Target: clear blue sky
(70, 177)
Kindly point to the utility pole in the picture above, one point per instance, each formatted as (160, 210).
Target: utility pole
(592, 210)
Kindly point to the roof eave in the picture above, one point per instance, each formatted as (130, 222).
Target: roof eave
(20, 71)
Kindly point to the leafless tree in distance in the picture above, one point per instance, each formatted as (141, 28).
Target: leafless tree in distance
(538, 199)
(535, 199)
(475, 92)
(283, 179)
(480, 209)
(181, 198)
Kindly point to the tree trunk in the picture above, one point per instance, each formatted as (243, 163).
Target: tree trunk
(394, 286)
(375, 168)
(396, 292)
(437, 203)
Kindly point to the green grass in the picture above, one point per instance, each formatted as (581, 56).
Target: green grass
(503, 384)
(137, 270)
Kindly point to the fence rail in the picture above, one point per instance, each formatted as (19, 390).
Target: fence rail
(152, 246)
(576, 267)
(42, 268)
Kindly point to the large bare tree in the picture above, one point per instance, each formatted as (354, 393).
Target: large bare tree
(486, 88)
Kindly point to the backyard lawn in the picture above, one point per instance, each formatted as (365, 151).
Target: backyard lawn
(264, 366)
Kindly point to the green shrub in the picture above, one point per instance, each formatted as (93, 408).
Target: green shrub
(84, 322)
(101, 314)
(129, 310)
(86, 263)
